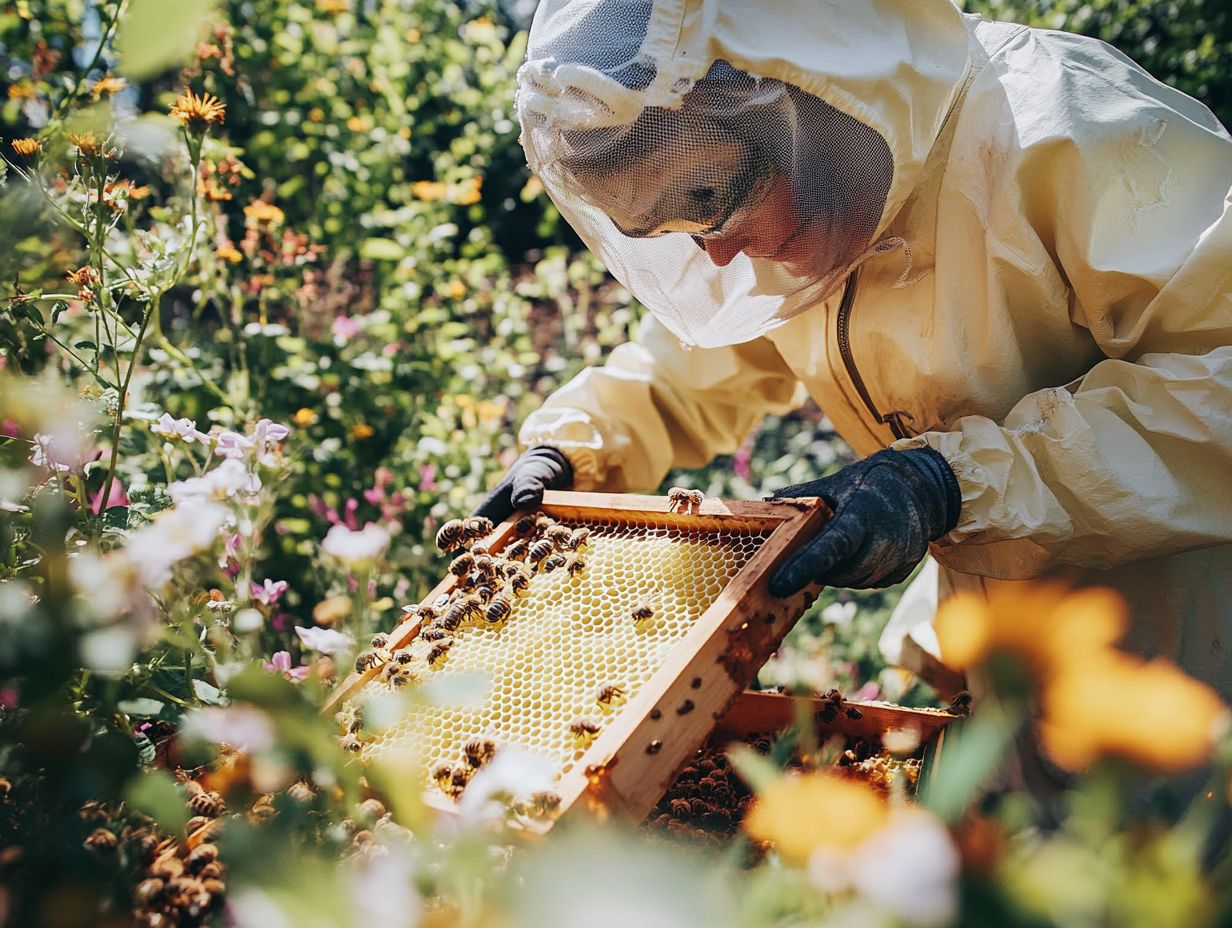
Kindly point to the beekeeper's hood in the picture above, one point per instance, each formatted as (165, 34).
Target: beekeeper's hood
(794, 129)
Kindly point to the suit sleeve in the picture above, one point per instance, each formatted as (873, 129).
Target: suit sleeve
(656, 405)
(1133, 459)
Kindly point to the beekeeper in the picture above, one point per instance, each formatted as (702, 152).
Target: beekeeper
(999, 259)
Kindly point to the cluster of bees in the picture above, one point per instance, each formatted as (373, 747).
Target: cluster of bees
(685, 501)
(175, 882)
(452, 780)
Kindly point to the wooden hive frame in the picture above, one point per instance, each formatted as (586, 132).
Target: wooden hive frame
(632, 761)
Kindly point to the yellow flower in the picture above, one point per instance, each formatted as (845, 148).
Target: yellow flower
(799, 814)
(361, 431)
(455, 290)
(467, 193)
(316, 114)
(198, 112)
(404, 132)
(229, 253)
(412, 36)
(20, 90)
(108, 85)
(304, 417)
(333, 7)
(27, 147)
(491, 412)
(359, 123)
(1046, 625)
(262, 213)
(87, 143)
(428, 190)
(1147, 712)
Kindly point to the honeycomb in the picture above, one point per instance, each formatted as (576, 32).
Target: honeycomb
(567, 641)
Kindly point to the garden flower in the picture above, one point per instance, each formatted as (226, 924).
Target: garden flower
(84, 279)
(241, 727)
(428, 190)
(261, 213)
(174, 535)
(512, 776)
(178, 429)
(800, 814)
(325, 640)
(27, 148)
(362, 431)
(229, 479)
(115, 497)
(280, 662)
(345, 328)
(1146, 712)
(304, 417)
(107, 86)
(353, 548)
(233, 444)
(198, 113)
(268, 592)
(87, 143)
(60, 452)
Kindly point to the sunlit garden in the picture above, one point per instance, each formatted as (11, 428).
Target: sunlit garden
(277, 289)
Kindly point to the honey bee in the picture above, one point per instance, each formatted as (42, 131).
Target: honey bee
(459, 779)
(454, 616)
(441, 775)
(351, 744)
(479, 751)
(480, 548)
(574, 565)
(519, 583)
(347, 717)
(477, 527)
(611, 695)
(543, 522)
(484, 565)
(578, 539)
(525, 524)
(391, 670)
(461, 565)
(379, 640)
(499, 608)
(677, 499)
(645, 610)
(435, 633)
(367, 659)
(451, 535)
(428, 614)
(553, 561)
(558, 535)
(696, 498)
(516, 550)
(484, 593)
(584, 731)
(404, 656)
(438, 652)
(539, 550)
(961, 704)
(401, 678)
(542, 804)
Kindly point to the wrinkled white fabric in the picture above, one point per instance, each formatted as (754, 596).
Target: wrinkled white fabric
(1063, 338)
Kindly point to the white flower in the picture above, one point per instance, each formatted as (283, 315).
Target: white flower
(325, 640)
(226, 480)
(513, 775)
(383, 891)
(233, 444)
(241, 727)
(838, 613)
(174, 535)
(178, 429)
(54, 453)
(356, 548)
(908, 869)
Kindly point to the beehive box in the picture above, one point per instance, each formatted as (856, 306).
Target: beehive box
(701, 575)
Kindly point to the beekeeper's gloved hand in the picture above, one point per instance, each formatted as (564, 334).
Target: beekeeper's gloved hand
(541, 468)
(887, 508)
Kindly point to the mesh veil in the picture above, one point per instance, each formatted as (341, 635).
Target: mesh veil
(725, 202)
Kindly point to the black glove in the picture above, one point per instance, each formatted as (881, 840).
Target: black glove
(541, 468)
(887, 508)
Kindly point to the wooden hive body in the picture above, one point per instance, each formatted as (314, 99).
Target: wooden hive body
(715, 624)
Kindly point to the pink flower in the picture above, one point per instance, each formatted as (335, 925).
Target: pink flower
(269, 591)
(345, 328)
(870, 690)
(115, 497)
(9, 427)
(427, 478)
(741, 459)
(280, 662)
(280, 621)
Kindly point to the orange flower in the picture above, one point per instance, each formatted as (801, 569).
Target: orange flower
(799, 814)
(467, 193)
(428, 190)
(1046, 625)
(362, 431)
(1147, 712)
(27, 148)
(87, 143)
(229, 253)
(84, 279)
(261, 213)
(456, 289)
(108, 85)
(304, 417)
(198, 112)
(333, 7)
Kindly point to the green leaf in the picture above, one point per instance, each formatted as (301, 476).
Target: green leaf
(85, 343)
(208, 694)
(382, 249)
(57, 308)
(971, 753)
(158, 795)
(159, 34)
(141, 707)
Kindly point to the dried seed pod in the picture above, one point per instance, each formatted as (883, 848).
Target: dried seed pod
(552, 562)
(208, 804)
(499, 608)
(451, 535)
(578, 539)
(461, 565)
(102, 840)
(479, 751)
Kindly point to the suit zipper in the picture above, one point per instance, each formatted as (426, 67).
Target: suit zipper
(893, 419)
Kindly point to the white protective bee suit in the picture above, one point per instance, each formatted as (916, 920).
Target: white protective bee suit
(1044, 297)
